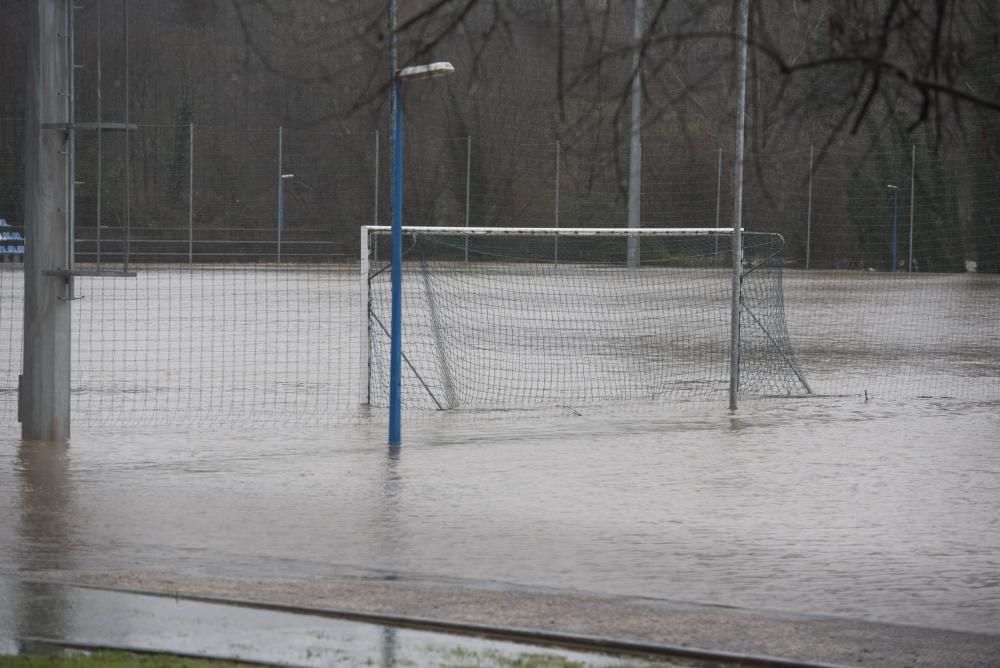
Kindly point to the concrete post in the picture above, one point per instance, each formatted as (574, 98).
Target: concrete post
(48, 194)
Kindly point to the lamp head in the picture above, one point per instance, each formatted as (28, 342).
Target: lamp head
(439, 69)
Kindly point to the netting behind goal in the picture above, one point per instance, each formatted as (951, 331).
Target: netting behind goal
(560, 318)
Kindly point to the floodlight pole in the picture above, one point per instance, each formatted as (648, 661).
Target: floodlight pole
(44, 388)
(396, 333)
(393, 103)
(396, 328)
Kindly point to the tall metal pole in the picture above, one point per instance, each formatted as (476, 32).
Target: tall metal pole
(737, 243)
(44, 401)
(71, 149)
(396, 335)
(913, 200)
(99, 180)
(396, 196)
(128, 151)
(393, 102)
(635, 153)
(809, 210)
(190, 193)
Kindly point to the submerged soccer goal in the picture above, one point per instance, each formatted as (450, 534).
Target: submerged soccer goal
(523, 318)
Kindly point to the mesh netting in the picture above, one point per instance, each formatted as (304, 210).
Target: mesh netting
(204, 239)
(545, 320)
(222, 344)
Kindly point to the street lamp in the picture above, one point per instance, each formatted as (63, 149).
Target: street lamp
(281, 208)
(895, 220)
(396, 334)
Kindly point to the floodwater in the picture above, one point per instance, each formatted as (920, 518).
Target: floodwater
(52, 614)
(868, 510)
(883, 509)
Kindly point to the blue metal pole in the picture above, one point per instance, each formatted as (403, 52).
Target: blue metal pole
(396, 343)
(895, 218)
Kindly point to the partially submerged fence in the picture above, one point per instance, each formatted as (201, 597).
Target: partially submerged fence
(247, 242)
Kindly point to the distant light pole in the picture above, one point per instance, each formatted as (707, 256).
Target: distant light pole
(281, 207)
(396, 333)
(895, 221)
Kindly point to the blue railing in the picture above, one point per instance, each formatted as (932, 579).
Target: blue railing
(11, 242)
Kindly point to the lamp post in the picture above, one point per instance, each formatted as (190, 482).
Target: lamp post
(396, 331)
(895, 220)
(281, 208)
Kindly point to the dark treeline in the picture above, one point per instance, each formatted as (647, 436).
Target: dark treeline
(870, 94)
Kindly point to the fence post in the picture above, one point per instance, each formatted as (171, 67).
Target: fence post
(364, 345)
(809, 210)
(190, 193)
(468, 182)
(558, 159)
(913, 199)
(100, 135)
(375, 207)
(281, 191)
(718, 201)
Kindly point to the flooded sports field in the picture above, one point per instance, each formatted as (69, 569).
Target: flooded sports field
(880, 508)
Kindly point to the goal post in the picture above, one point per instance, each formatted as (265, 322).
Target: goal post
(495, 318)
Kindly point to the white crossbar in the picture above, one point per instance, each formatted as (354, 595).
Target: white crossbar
(561, 231)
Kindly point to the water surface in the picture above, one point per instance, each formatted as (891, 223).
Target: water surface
(876, 510)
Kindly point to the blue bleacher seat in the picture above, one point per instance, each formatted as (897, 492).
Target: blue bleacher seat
(10, 235)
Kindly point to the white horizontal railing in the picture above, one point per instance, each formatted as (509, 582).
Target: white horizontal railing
(560, 231)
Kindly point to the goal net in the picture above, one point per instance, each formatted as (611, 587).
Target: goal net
(534, 318)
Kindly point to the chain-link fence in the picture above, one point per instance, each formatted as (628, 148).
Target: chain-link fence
(251, 237)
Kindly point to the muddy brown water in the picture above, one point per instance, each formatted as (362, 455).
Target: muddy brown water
(886, 509)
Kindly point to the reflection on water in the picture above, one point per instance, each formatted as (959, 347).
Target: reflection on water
(389, 643)
(826, 505)
(46, 528)
(190, 627)
(47, 518)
